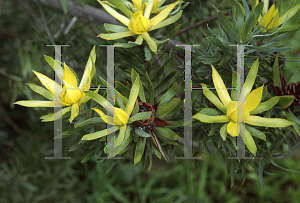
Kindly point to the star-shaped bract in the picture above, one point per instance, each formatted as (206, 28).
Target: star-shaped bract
(139, 22)
(72, 95)
(230, 108)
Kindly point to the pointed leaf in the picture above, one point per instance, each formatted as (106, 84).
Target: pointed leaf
(250, 142)
(35, 103)
(223, 131)
(268, 122)
(166, 108)
(213, 98)
(42, 91)
(141, 133)
(286, 101)
(133, 96)
(139, 150)
(166, 132)
(150, 90)
(140, 116)
(101, 133)
(255, 132)
(168, 95)
(265, 105)
(134, 76)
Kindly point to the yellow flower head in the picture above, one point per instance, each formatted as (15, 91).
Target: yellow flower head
(271, 18)
(71, 94)
(138, 23)
(239, 111)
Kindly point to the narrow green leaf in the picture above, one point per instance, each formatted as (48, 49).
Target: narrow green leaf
(251, 78)
(115, 28)
(42, 91)
(121, 7)
(121, 135)
(139, 150)
(141, 133)
(134, 76)
(214, 129)
(255, 132)
(50, 117)
(292, 118)
(268, 122)
(249, 142)
(223, 131)
(140, 116)
(133, 96)
(168, 95)
(210, 112)
(234, 87)
(227, 25)
(156, 151)
(88, 156)
(174, 111)
(122, 88)
(211, 119)
(150, 90)
(276, 71)
(248, 26)
(167, 21)
(127, 140)
(51, 62)
(285, 101)
(213, 98)
(166, 79)
(148, 54)
(265, 105)
(74, 147)
(100, 133)
(166, 108)
(295, 77)
(35, 103)
(166, 132)
(89, 121)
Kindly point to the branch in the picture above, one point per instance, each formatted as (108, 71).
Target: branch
(197, 24)
(92, 14)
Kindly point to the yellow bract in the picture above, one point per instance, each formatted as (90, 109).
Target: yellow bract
(71, 95)
(235, 110)
(271, 18)
(138, 23)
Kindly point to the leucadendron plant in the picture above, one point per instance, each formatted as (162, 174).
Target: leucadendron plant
(137, 19)
(230, 108)
(136, 120)
(72, 94)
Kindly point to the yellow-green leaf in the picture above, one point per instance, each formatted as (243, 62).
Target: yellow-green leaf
(35, 103)
(100, 133)
(268, 122)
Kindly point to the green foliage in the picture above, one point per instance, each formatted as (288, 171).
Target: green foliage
(25, 176)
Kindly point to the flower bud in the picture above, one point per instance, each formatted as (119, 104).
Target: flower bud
(138, 23)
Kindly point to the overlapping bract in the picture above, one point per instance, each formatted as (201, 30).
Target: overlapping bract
(72, 95)
(138, 21)
(231, 108)
(271, 18)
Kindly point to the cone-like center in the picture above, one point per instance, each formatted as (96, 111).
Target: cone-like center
(143, 107)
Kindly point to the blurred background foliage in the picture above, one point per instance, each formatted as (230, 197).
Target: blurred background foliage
(26, 27)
